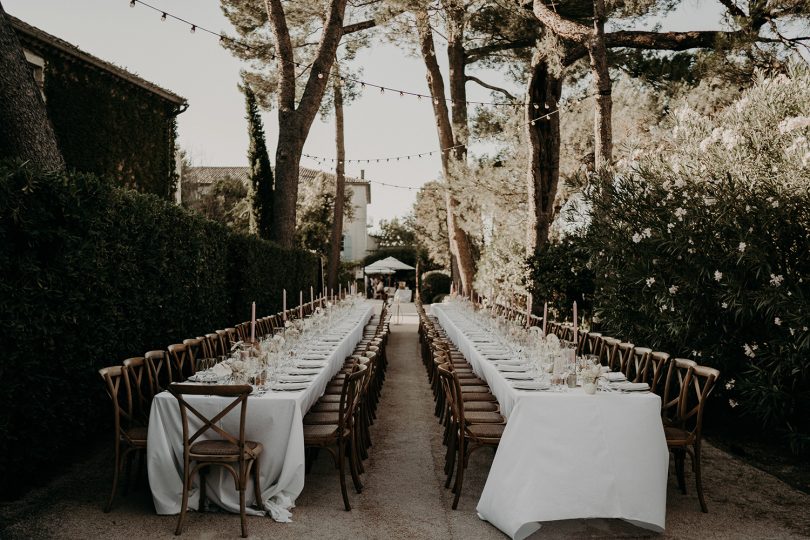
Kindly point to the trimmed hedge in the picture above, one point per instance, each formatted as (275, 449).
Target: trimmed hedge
(93, 274)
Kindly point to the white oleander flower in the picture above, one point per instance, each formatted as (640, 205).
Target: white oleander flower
(673, 289)
(646, 233)
(749, 351)
(732, 403)
(730, 384)
(776, 281)
(650, 281)
(718, 275)
(777, 321)
(741, 247)
(679, 213)
(724, 305)
(793, 123)
(636, 238)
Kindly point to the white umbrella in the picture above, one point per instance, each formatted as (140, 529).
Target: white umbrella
(394, 264)
(376, 268)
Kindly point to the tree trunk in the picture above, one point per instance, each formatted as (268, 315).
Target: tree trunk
(603, 116)
(26, 131)
(294, 122)
(543, 171)
(460, 246)
(333, 266)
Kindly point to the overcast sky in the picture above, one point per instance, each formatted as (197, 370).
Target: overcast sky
(213, 130)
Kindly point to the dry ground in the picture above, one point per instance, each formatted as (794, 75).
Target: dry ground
(404, 495)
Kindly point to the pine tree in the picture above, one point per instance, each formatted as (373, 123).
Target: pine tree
(261, 176)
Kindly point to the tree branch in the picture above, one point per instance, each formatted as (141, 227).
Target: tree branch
(357, 27)
(568, 30)
(491, 87)
(672, 41)
(473, 55)
(733, 8)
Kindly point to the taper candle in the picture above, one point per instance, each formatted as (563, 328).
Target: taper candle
(253, 322)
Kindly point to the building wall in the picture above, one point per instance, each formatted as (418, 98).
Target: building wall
(355, 232)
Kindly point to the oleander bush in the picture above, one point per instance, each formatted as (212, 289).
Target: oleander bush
(93, 274)
(560, 275)
(702, 249)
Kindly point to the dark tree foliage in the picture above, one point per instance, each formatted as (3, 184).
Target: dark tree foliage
(261, 175)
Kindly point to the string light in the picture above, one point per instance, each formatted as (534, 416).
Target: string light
(223, 38)
(387, 158)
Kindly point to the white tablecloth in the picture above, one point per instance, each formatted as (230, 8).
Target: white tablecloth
(568, 455)
(274, 419)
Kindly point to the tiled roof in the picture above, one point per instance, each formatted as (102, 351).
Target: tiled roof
(34, 38)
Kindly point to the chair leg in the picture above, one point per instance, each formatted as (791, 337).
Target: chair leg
(450, 462)
(699, 480)
(257, 486)
(184, 506)
(459, 472)
(242, 513)
(116, 468)
(342, 467)
(680, 457)
(353, 460)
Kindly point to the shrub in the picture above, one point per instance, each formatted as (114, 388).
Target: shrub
(702, 249)
(94, 274)
(433, 284)
(560, 275)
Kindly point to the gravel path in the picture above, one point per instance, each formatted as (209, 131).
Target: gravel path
(404, 495)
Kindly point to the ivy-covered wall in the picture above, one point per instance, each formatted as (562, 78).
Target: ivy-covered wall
(109, 127)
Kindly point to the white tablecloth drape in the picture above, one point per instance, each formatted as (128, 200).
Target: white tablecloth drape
(274, 419)
(568, 455)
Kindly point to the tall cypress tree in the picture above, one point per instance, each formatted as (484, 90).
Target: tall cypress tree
(261, 176)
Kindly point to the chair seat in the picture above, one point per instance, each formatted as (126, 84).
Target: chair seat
(470, 382)
(137, 435)
(486, 431)
(330, 398)
(473, 417)
(326, 406)
(314, 433)
(477, 396)
(223, 448)
(474, 389)
(321, 418)
(678, 437)
(479, 406)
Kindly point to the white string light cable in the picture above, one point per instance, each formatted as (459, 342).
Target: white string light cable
(363, 84)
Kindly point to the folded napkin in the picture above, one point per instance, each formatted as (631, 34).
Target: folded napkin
(295, 378)
(632, 387)
(221, 370)
(517, 376)
(531, 385)
(614, 376)
(515, 367)
(310, 364)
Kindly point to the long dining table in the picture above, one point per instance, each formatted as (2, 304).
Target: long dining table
(274, 418)
(565, 455)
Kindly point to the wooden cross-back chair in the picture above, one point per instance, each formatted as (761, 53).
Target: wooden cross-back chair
(234, 453)
(158, 363)
(684, 421)
(338, 438)
(142, 388)
(181, 363)
(129, 434)
(621, 357)
(465, 437)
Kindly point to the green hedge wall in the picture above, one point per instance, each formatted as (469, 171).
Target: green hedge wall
(93, 274)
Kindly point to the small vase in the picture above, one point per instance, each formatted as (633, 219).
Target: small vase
(589, 387)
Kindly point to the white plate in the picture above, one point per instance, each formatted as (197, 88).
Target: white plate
(290, 387)
(531, 385)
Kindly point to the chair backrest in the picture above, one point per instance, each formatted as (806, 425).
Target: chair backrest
(654, 370)
(224, 342)
(142, 389)
(678, 376)
(694, 396)
(116, 383)
(350, 395)
(239, 393)
(452, 392)
(158, 363)
(180, 363)
(196, 350)
(594, 341)
(607, 350)
(622, 356)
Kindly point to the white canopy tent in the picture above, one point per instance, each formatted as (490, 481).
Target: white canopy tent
(393, 263)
